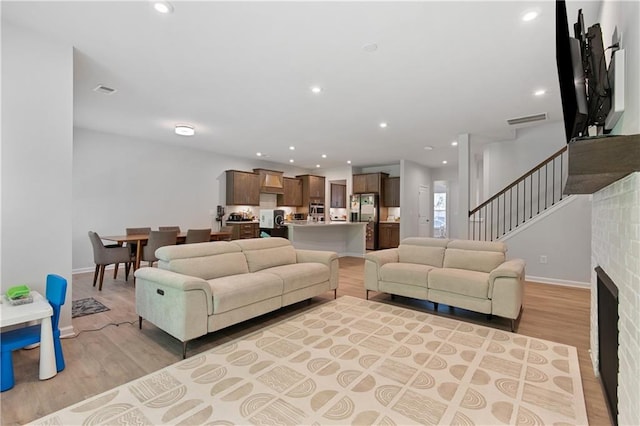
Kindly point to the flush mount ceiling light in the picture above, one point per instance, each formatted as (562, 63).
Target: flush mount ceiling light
(291, 160)
(383, 125)
(444, 161)
(530, 15)
(324, 155)
(163, 7)
(185, 130)
(370, 47)
(292, 148)
(259, 154)
(539, 92)
(348, 161)
(454, 143)
(316, 89)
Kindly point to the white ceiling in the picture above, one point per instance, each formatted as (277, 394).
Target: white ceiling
(241, 73)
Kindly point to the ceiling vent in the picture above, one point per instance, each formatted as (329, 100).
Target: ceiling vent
(104, 90)
(527, 119)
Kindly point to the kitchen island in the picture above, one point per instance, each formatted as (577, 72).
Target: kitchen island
(345, 238)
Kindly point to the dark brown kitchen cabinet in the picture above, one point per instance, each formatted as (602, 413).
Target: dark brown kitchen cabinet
(391, 192)
(243, 230)
(292, 196)
(388, 235)
(338, 196)
(243, 188)
(366, 183)
(312, 189)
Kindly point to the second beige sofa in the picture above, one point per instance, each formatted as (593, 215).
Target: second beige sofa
(473, 275)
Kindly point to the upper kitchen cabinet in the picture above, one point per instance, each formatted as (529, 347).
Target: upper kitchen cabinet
(312, 188)
(338, 196)
(243, 188)
(391, 192)
(366, 183)
(292, 196)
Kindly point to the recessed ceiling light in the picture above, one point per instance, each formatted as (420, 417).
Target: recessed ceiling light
(454, 143)
(292, 147)
(185, 130)
(316, 89)
(324, 155)
(444, 161)
(530, 15)
(539, 92)
(428, 147)
(291, 160)
(348, 161)
(370, 47)
(383, 125)
(163, 7)
(317, 165)
(259, 154)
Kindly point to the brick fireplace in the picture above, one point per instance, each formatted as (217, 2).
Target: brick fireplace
(615, 249)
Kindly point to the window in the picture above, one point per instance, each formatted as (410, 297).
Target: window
(440, 214)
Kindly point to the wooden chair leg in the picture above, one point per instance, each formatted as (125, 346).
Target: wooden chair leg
(101, 277)
(127, 269)
(115, 271)
(95, 275)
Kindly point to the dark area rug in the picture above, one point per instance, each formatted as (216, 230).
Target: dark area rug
(88, 306)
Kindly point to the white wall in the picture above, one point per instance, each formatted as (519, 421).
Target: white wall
(37, 133)
(412, 175)
(121, 182)
(563, 235)
(504, 162)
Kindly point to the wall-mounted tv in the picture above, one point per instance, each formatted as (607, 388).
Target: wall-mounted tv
(582, 72)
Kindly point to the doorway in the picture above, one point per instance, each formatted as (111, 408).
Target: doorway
(440, 229)
(424, 208)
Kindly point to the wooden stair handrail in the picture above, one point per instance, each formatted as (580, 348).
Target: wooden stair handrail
(520, 179)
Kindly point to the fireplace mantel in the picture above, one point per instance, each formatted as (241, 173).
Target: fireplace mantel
(595, 163)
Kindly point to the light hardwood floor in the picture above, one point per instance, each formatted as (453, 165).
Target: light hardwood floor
(100, 360)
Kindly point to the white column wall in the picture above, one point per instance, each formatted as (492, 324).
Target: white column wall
(37, 140)
(412, 175)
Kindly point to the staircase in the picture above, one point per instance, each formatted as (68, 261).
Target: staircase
(519, 202)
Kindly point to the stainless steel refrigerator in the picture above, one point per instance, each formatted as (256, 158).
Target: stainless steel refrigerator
(364, 208)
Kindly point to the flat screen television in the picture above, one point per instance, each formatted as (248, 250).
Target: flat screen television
(582, 73)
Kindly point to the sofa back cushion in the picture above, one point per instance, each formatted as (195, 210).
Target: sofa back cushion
(481, 256)
(422, 250)
(263, 253)
(203, 260)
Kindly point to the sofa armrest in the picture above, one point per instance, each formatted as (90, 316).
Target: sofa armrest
(178, 304)
(506, 288)
(372, 264)
(513, 268)
(328, 258)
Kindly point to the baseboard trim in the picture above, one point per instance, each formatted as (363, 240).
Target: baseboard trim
(67, 332)
(557, 281)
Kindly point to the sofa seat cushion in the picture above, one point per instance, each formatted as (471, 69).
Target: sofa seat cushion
(405, 273)
(300, 275)
(460, 281)
(235, 291)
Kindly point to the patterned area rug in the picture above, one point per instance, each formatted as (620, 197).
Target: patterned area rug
(88, 306)
(353, 361)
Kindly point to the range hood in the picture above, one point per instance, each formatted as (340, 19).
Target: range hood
(271, 181)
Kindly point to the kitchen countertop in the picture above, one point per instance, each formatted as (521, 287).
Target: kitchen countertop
(390, 221)
(305, 223)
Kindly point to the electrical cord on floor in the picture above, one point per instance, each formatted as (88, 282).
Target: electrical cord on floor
(117, 324)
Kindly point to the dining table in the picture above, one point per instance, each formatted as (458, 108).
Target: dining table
(38, 310)
(141, 239)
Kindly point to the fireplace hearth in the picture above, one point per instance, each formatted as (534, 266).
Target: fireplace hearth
(608, 340)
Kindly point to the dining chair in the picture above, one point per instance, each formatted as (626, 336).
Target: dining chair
(169, 228)
(107, 255)
(133, 247)
(198, 236)
(56, 290)
(156, 240)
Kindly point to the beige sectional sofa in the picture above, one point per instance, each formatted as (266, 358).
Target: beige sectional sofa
(473, 275)
(201, 288)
